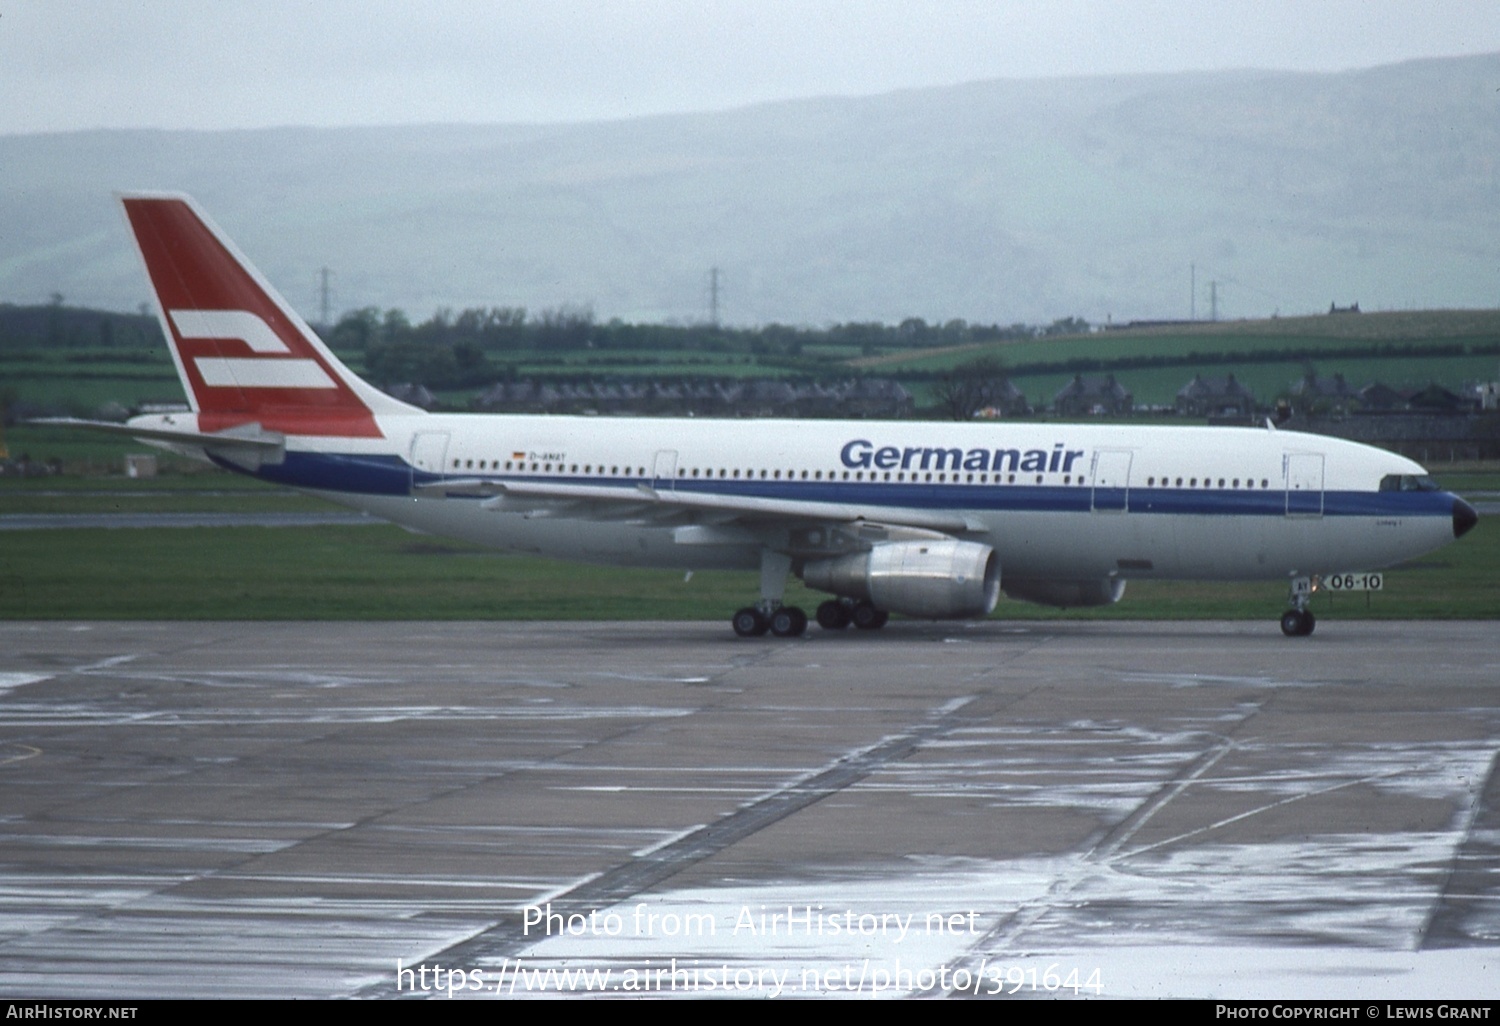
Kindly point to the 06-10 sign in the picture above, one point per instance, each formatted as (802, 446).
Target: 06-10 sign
(1354, 582)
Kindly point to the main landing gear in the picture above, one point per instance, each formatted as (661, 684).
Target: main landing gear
(836, 614)
(790, 622)
(769, 614)
(1298, 622)
(783, 621)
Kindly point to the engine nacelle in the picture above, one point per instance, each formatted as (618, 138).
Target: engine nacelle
(939, 579)
(1101, 591)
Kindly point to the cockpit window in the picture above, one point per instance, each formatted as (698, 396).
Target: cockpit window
(1408, 483)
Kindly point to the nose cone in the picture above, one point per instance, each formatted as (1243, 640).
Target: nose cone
(1464, 518)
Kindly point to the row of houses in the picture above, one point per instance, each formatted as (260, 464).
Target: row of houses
(1226, 398)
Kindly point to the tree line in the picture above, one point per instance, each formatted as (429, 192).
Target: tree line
(458, 350)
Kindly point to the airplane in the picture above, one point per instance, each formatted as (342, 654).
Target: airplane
(925, 519)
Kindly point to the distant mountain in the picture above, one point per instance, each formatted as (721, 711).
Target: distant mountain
(997, 201)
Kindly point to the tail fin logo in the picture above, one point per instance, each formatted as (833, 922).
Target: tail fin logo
(242, 352)
(246, 372)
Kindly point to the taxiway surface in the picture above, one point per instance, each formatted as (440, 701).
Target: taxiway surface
(1188, 809)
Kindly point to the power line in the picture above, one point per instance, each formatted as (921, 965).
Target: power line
(324, 294)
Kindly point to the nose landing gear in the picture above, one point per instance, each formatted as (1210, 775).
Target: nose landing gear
(1298, 622)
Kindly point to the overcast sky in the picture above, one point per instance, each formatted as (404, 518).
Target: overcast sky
(75, 64)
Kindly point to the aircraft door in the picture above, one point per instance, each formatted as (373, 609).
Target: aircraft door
(1111, 481)
(664, 472)
(1304, 483)
(429, 450)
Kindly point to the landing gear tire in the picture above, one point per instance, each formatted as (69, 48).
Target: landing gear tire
(749, 623)
(788, 622)
(833, 615)
(1298, 623)
(868, 618)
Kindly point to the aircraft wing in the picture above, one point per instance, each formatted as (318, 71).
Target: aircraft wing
(708, 517)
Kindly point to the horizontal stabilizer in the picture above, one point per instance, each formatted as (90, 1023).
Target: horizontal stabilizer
(245, 445)
(236, 437)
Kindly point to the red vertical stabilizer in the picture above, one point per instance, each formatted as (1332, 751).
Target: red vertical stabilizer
(243, 354)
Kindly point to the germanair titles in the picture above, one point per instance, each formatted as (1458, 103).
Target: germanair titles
(861, 454)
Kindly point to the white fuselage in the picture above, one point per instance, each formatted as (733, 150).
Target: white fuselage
(1056, 501)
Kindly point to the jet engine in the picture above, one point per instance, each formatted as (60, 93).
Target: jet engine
(938, 579)
(1102, 591)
